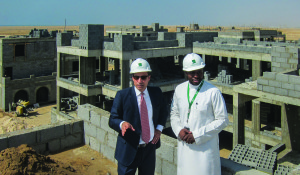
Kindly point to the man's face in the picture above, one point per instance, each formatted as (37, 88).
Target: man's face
(141, 80)
(195, 77)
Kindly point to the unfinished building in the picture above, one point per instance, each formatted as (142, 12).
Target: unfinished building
(27, 70)
(256, 70)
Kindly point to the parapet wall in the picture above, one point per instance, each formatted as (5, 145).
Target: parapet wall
(48, 138)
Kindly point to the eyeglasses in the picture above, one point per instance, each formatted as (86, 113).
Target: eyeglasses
(138, 77)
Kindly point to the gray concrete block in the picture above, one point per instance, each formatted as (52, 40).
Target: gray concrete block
(269, 89)
(3, 141)
(166, 152)
(297, 88)
(104, 124)
(276, 54)
(86, 139)
(280, 49)
(108, 152)
(275, 64)
(275, 83)
(262, 81)
(294, 79)
(101, 135)
(54, 145)
(269, 75)
(39, 148)
(168, 168)
(52, 132)
(83, 112)
(286, 55)
(72, 140)
(111, 140)
(158, 165)
(295, 94)
(289, 86)
(22, 137)
(286, 65)
(293, 61)
(90, 129)
(95, 118)
(282, 77)
(281, 91)
(260, 87)
(95, 144)
(282, 60)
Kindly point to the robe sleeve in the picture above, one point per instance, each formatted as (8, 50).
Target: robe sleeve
(220, 121)
(175, 116)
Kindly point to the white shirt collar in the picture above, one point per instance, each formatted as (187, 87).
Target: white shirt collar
(137, 92)
(194, 86)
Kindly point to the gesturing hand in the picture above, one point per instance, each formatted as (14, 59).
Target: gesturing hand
(126, 126)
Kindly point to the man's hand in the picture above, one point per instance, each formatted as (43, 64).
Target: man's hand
(189, 138)
(156, 137)
(126, 126)
(183, 133)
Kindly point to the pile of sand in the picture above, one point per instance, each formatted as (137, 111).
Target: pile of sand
(24, 160)
(9, 124)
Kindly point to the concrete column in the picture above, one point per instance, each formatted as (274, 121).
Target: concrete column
(238, 63)
(238, 119)
(229, 60)
(84, 99)
(285, 131)
(124, 74)
(203, 57)
(58, 102)
(256, 69)
(103, 64)
(87, 70)
(58, 65)
(220, 58)
(256, 117)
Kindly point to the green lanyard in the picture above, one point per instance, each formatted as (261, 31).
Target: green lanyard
(188, 97)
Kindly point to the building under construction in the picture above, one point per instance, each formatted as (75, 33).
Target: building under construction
(256, 70)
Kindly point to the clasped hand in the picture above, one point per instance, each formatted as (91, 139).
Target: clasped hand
(186, 136)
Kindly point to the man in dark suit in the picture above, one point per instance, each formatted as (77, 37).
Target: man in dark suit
(138, 114)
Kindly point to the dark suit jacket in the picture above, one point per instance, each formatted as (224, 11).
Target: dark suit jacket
(125, 108)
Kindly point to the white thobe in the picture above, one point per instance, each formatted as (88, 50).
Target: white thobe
(207, 118)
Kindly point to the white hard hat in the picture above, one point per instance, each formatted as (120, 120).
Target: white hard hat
(139, 65)
(192, 62)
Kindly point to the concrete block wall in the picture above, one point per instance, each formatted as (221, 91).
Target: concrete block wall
(121, 43)
(284, 58)
(245, 48)
(100, 137)
(64, 39)
(48, 138)
(280, 84)
(219, 40)
(166, 36)
(184, 39)
(91, 36)
(154, 44)
(204, 36)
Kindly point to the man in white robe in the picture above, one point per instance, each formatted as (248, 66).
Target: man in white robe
(198, 114)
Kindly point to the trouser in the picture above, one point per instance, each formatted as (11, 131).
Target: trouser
(144, 161)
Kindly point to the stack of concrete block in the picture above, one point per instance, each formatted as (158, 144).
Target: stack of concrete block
(91, 36)
(280, 84)
(248, 79)
(223, 78)
(284, 58)
(206, 75)
(255, 158)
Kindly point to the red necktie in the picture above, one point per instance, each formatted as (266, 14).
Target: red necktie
(144, 120)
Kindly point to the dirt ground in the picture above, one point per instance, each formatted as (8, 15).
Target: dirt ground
(80, 160)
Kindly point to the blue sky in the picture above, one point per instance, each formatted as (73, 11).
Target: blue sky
(261, 13)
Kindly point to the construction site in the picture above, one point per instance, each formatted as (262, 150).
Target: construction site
(256, 70)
